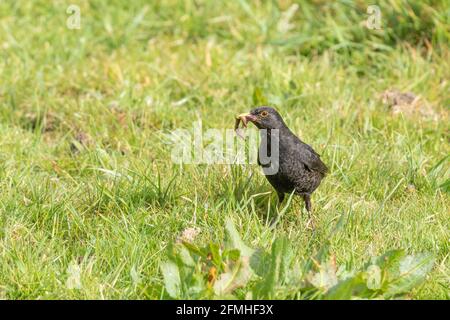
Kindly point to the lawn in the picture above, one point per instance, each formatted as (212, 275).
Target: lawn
(90, 199)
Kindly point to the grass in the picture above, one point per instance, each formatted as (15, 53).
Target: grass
(88, 190)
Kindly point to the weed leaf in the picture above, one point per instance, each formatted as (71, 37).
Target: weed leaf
(172, 280)
(412, 271)
(234, 241)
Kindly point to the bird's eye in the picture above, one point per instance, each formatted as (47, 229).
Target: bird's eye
(264, 114)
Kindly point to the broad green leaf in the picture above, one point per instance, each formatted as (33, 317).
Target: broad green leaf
(322, 255)
(325, 278)
(193, 248)
(281, 251)
(238, 276)
(412, 271)
(389, 261)
(279, 263)
(373, 281)
(215, 254)
(232, 254)
(388, 264)
(234, 241)
(195, 284)
(345, 290)
(172, 281)
(260, 262)
(185, 256)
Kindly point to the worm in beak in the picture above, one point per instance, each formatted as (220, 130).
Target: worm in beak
(245, 118)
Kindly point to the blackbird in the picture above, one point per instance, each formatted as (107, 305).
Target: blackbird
(299, 167)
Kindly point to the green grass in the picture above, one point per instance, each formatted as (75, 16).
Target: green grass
(109, 206)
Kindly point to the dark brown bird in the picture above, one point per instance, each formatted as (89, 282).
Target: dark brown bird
(297, 168)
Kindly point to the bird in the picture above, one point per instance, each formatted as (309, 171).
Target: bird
(297, 168)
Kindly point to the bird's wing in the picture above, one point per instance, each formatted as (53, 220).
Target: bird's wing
(310, 158)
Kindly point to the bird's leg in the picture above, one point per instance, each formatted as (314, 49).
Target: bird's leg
(307, 199)
(310, 223)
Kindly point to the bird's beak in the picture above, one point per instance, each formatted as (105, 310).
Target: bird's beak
(245, 118)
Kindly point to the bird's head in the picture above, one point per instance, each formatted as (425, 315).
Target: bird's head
(263, 118)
